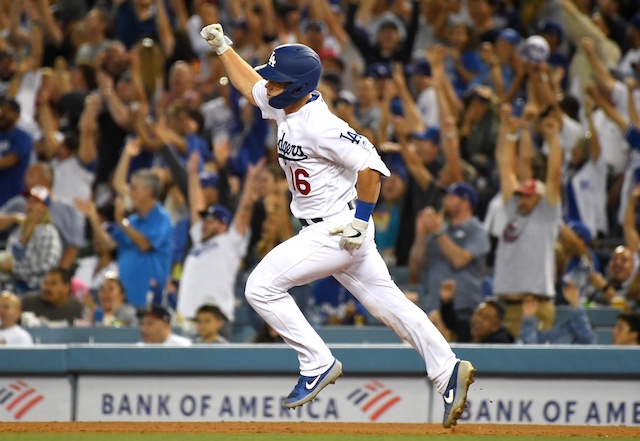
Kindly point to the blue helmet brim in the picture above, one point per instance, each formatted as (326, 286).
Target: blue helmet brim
(269, 73)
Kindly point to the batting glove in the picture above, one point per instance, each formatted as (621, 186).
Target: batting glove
(353, 234)
(214, 35)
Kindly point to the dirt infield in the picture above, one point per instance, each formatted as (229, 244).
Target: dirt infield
(321, 428)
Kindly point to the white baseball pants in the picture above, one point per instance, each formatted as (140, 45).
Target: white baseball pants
(314, 254)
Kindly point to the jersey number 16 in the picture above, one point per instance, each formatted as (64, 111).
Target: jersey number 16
(299, 183)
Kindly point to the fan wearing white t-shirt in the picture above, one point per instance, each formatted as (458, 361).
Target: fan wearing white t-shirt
(219, 244)
(10, 332)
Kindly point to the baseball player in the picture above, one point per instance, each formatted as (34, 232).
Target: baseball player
(324, 159)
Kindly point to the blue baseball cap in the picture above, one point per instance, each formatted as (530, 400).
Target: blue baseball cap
(420, 67)
(463, 190)
(219, 212)
(430, 134)
(581, 230)
(551, 27)
(208, 179)
(396, 166)
(378, 71)
(509, 35)
(635, 21)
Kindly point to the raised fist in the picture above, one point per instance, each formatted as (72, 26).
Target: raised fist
(214, 35)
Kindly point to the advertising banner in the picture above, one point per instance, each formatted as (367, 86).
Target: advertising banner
(363, 399)
(547, 401)
(35, 399)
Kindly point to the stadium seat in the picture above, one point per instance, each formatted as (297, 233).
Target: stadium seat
(400, 274)
(604, 336)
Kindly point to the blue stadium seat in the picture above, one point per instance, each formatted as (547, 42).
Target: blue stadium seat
(400, 274)
(604, 336)
(603, 316)
(96, 334)
(599, 316)
(358, 334)
(243, 334)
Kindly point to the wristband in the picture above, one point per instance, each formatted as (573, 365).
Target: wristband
(364, 210)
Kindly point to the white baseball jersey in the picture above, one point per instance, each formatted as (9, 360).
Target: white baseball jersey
(320, 154)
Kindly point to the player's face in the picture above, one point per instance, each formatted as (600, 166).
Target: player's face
(274, 88)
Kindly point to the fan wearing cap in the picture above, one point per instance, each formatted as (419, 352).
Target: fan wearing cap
(35, 246)
(220, 241)
(15, 150)
(499, 65)
(155, 328)
(525, 257)
(553, 33)
(367, 109)
(426, 98)
(452, 250)
(69, 223)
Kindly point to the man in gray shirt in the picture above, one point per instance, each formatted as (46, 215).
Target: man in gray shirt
(454, 250)
(525, 257)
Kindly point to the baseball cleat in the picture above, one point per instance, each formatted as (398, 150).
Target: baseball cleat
(308, 387)
(455, 395)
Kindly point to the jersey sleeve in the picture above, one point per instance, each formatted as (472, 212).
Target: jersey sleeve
(259, 93)
(343, 145)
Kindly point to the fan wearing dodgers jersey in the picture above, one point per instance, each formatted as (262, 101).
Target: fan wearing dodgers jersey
(334, 177)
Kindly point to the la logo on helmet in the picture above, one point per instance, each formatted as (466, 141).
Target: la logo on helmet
(272, 59)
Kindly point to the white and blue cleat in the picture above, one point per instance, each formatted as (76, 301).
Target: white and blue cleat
(455, 395)
(308, 387)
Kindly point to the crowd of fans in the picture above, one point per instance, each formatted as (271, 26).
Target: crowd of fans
(137, 186)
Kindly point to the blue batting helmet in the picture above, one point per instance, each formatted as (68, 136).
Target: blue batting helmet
(296, 64)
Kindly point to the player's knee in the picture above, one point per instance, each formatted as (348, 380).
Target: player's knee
(252, 288)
